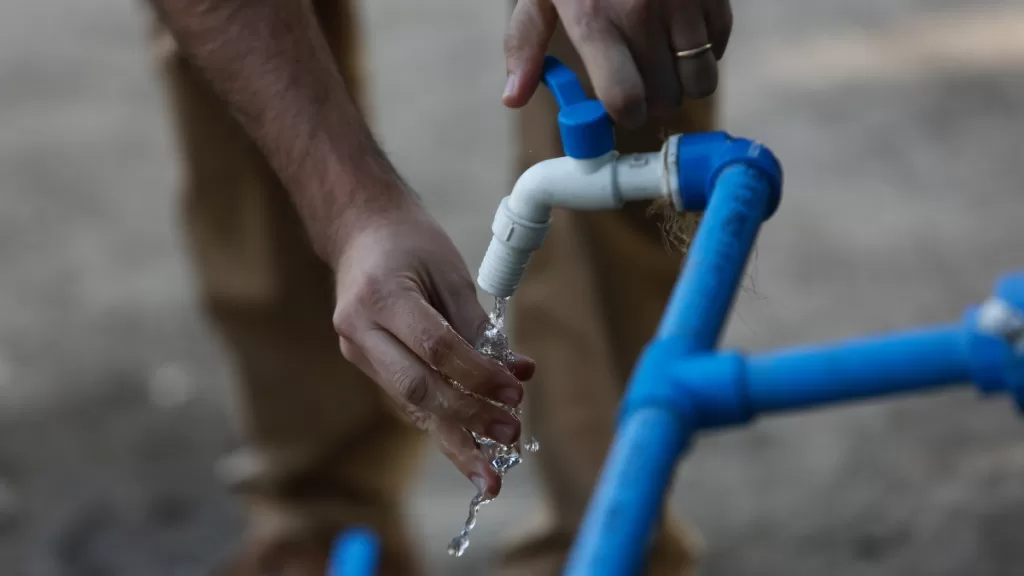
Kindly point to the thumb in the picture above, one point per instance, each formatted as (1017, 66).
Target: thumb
(529, 32)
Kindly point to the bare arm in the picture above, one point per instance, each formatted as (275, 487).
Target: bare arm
(405, 302)
(270, 62)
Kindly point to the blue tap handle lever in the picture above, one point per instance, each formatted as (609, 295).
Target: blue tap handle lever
(586, 127)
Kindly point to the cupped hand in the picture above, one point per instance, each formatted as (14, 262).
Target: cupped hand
(406, 315)
(643, 56)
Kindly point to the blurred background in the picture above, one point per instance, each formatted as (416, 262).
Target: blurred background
(901, 127)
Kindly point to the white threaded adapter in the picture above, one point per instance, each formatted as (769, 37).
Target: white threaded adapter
(513, 242)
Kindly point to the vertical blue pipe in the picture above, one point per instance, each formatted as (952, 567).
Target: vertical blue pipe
(706, 289)
(863, 368)
(355, 553)
(629, 497)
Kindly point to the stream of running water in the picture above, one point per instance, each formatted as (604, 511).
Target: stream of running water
(503, 458)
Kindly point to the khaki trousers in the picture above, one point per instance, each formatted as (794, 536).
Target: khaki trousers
(325, 450)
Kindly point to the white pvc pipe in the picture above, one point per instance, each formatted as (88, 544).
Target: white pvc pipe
(603, 183)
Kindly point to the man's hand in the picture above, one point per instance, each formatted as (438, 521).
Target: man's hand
(398, 276)
(643, 56)
(407, 314)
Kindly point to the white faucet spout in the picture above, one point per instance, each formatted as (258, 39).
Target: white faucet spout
(602, 183)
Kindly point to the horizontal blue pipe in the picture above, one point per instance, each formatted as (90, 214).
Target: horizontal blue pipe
(864, 368)
(630, 494)
(628, 498)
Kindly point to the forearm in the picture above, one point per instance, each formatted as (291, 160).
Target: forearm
(269, 61)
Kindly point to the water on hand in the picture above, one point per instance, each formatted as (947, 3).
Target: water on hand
(503, 458)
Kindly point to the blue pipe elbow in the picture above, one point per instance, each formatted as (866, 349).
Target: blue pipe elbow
(997, 360)
(702, 157)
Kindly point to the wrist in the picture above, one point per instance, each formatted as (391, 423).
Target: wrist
(358, 204)
(342, 182)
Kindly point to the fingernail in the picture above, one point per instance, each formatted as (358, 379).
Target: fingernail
(504, 433)
(522, 358)
(510, 85)
(510, 396)
(480, 483)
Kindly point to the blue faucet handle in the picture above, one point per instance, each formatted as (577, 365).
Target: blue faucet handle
(586, 127)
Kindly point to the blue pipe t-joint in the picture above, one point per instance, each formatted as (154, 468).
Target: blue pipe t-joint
(702, 157)
(586, 128)
(708, 394)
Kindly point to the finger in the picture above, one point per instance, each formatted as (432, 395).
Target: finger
(647, 40)
(698, 74)
(463, 311)
(609, 63)
(522, 367)
(459, 305)
(422, 391)
(718, 21)
(459, 446)
(426, 333)
(530, 29)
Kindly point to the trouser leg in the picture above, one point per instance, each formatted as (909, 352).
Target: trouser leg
(323, 448)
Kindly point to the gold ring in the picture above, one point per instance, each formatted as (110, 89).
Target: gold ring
(692, 52)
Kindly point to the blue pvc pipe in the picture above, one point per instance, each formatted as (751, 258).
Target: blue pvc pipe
(355, 553)
(863, 368)
(706, 289)
(629, 496)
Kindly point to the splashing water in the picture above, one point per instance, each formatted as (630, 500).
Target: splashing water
(503, 458)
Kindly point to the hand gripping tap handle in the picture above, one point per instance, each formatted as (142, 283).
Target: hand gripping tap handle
(592, 176)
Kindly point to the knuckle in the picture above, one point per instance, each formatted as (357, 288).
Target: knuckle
(348, 348)
(513, 45)
(419, 418)
(412, 387)
(435, 349)
(343, 319)
(374, 295)
(621, 101)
